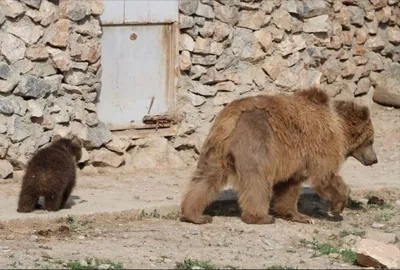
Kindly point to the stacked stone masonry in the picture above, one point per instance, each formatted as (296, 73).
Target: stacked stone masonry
(49, 76)
(235, 48)
(50, 68)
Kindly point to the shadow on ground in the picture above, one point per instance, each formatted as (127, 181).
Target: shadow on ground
(310, 203)
(71, 202)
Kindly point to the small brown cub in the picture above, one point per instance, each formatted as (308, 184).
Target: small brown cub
(51, 173)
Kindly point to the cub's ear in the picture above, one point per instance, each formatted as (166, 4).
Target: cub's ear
(56, 138)
(363, 113)
(76, 141)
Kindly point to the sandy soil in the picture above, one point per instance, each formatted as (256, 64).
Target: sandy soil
(104, 222)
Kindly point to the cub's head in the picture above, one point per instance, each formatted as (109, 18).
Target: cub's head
(359, 131)
(72, 144)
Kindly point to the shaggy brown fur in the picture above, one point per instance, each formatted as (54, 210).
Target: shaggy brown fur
(51, 173)
(270, 144)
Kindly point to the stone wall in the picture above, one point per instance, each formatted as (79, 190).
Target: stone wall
(49, 76)
(234, 48)
(50, 69)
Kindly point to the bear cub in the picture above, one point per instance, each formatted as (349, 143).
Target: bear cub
(51, 173)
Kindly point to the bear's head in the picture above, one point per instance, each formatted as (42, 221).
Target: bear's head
(72, 144)
(359, 131)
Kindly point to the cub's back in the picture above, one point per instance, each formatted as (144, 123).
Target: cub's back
(50, 166)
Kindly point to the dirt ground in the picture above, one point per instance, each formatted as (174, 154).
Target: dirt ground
(105, 227)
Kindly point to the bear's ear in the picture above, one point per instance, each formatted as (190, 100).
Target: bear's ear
(56, 138)
(76, 141)
(363, 113)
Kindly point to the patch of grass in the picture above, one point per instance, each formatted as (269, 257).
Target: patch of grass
(348, 255)
(356, 233)
(385, 216)
(355, 205)
(276, 266)
(188, 264)
(381, 207)
(93, 264)
(70, 220)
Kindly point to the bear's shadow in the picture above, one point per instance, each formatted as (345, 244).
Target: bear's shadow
(310, 204)
(71, 202)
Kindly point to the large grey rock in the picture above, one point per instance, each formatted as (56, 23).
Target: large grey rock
(73, 10)
(184, 61)
(186, 22)
(386, 83)
(394, 35)
(197, 88)
(317, 24)
(375, 43)
(371, 253)
(90, 51)
(32, 3)
(282, 19)
(30, 86)
(205, 11)
(104, 157)
(274, 65)
(251, 19)
(291, 44)
(6, 106)
(54, 82)
(330, 70)
(49, 13)
(37, 52)
(94, 7)
(12, 48)
(246, 45)
(23, 66)
(26, 30)
(5, 71)
(221, 31)
(186, 43)
(75, 77)
(13, 9)
(159, 152)
(264, 37)
(307, 8)
(99, 135)
(60, 59)
(20, 106)
(363, 87)
(225, 13)
(241, 73)
(6, 169)
(188, 7)
(42, 69)
(20, 128)
(357, 15)
(207, 60)
(90, 27)
(57, 34)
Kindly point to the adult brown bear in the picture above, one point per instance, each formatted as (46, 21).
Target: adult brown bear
(269, 145)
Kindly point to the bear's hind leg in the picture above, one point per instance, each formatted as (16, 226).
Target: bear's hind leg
(254, 198)
(286, 196)
(66, 194)
(203, 188)
(27, 202)
(53, 201)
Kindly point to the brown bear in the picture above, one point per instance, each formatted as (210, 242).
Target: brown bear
(268, 145)
(51, 173)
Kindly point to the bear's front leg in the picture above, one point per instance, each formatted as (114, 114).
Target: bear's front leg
(335, 190)
(286, 196)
